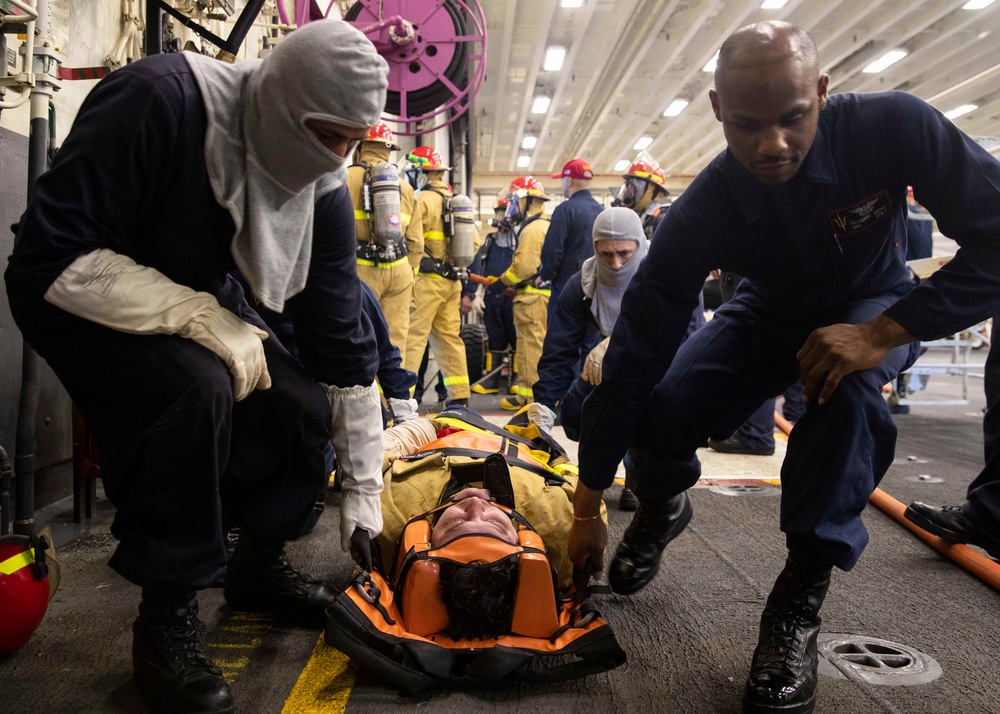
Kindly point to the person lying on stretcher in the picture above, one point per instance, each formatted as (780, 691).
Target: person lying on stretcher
(430, 462)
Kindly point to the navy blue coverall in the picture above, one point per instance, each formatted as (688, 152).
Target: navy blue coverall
(569, 242)
(559, 382)
(498, 307)
(818, 250)
(179, 456)
(984, 491)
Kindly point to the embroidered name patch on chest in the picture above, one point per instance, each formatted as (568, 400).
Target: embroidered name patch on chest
(861, 216)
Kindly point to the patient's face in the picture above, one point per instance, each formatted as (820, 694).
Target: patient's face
(472, 513)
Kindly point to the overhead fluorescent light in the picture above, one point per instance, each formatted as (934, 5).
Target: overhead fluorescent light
(554, 57)
(772, 4)
(643, 143)
(976, 4)
(675, 108)
(622, 165)
(572, 3)
(710, 67)
(540, 105)
(523, 161)
(959, 111)
(884, 61)
(529, 142)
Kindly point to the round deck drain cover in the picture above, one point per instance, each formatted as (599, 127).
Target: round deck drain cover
(745, 489)
(924, 478)
(874, 661)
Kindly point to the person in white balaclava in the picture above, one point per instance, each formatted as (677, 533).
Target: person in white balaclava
(590, 304)
(178, 170)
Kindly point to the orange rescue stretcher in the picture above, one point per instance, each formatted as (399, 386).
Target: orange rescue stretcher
(391, 620)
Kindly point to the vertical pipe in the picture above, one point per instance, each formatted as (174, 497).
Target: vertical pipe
(5, 468)
(5, 478)
(154, 28)
(27, 413)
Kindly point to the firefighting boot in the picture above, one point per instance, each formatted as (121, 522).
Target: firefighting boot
(168, 655)
(638, 556)
(783, 672)
(260, 579)
(512, 380)
(490, 384)
(513, 404)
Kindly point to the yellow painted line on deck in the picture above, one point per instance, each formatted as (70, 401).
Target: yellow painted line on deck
(324, 685)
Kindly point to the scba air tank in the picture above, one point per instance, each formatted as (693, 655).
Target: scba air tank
(463, 231)
(387, 226)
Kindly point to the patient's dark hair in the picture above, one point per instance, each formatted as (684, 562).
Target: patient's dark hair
(479, 597)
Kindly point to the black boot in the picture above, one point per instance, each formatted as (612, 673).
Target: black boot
(638, 556)
(168, 655)
(260, 579)
(628, 501)
(783, 671)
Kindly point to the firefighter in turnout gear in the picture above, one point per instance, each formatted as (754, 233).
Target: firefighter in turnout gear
(498, 313)
(530, 303)
(390, 232)
(645, 192)
(437, 289)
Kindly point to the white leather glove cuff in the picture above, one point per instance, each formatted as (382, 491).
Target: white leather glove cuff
(115, 291)
(359, 510)
(357, 439)
(403, 409)
(541, 416)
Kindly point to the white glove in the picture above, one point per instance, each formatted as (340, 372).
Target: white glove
(403, 409)
(115, 291)
(357, 441)
(594, 363)
(541, 416)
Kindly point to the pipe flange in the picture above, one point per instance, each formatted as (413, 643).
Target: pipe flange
(402, 32)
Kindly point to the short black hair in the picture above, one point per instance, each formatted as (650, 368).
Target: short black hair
(479, 597)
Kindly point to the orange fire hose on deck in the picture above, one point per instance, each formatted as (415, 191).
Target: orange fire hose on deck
(984, 568)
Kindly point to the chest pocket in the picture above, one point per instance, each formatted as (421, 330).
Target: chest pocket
(858, 219)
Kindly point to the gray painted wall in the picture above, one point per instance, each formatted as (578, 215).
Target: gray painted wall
(53, 432)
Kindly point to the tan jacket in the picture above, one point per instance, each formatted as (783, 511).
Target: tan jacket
(431, 205)
(528, 255)
(411, 219)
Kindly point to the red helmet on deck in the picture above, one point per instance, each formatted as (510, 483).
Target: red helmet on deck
(527, 186)
(381, 132)
(24, 590)
(426, 158)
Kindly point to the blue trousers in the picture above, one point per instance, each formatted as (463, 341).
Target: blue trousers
(498, 316)
(759, 426)
(837, 453)
(984, 491)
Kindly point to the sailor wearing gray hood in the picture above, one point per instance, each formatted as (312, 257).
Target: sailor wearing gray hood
(587, 311)
(178, 170)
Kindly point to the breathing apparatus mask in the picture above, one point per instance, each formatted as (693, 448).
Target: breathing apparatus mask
(500, 220)
(516, 209)
(631, 192)
(415, 177)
